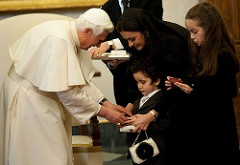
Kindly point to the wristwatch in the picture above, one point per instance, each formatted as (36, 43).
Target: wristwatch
(102, 101)
(110, 43)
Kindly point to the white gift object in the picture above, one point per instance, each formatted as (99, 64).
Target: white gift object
(128, 128)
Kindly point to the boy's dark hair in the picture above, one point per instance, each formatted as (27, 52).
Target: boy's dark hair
(146, 68)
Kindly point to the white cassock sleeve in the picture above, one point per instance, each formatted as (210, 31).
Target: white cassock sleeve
(80, 103)
(93, 92)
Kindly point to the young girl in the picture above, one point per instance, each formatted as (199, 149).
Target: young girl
(210, 88)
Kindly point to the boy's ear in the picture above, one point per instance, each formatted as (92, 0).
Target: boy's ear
(157, 82)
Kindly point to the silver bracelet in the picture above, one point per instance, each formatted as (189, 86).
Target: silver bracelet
(154, 115)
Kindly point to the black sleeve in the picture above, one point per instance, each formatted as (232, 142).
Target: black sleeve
(223, 83)
(154, 7)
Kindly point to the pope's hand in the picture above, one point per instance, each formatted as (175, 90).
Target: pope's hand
(98, 51)
(117, 108)
(112, 115)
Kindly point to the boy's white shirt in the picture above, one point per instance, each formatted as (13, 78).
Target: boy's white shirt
(146, 97)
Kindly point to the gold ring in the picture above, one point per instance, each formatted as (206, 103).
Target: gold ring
(118, 124)
(97, 54)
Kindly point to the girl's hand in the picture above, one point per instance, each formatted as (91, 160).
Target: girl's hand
(168, 83)
(184, 87)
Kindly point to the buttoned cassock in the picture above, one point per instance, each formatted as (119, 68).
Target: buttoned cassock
(35, 124)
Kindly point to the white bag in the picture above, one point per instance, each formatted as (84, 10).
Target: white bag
(143, 150)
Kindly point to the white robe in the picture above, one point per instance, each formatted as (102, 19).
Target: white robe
(35, 128)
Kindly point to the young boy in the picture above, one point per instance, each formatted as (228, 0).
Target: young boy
(151, 111)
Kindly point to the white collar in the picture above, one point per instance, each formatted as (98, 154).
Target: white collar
(75, 34)
(152, 93)
(146, 97)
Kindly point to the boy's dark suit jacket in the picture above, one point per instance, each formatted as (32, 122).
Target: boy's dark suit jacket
(157, 130)
(121, 75)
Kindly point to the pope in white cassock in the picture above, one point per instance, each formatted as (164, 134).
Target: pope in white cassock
(48, 83)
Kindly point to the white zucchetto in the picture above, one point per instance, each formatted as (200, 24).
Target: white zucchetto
(97, 17)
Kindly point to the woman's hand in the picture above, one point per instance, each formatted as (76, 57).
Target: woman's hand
(114, 63)
(140, 121)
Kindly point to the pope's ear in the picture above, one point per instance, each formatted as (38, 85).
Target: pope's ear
(87, 31)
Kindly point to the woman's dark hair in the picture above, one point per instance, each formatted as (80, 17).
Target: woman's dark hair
(135, 19)
(217, 38)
